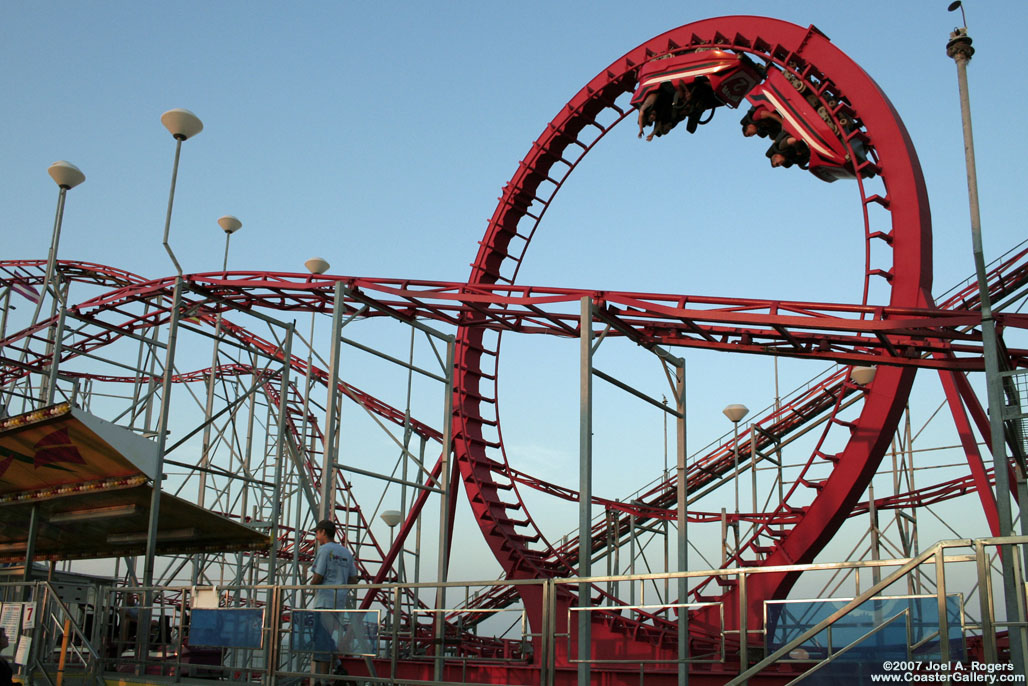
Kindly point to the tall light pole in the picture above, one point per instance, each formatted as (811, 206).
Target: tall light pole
(959, 49)
(229, 225)
(66, 175)
(316, 266)
(391, 519)
(183, 125)
(326, 500)
(735, 413)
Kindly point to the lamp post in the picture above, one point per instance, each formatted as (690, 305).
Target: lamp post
(183, 125)
(229, 225)
(391, 519)
(735, 413)
(318, 265)
(66, 175)
(306, 414)
(315, 265)
(959, 49)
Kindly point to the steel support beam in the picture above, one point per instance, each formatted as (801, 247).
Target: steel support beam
(280, 438)
(328, 492)
(55, 357)
(444, 512)
(585, 480)
(959, 48)
(162, 436)
(683, 524)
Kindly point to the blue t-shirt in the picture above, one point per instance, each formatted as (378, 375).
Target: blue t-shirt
(335, 565)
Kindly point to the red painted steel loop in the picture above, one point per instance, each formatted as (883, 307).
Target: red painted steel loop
(905, 230)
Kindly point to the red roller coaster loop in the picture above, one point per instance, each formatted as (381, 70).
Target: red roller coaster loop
(803, 53)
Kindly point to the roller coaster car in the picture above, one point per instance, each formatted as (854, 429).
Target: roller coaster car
(829, 159)
(679, 87)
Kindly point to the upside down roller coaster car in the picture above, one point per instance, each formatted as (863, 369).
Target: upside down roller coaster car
(781, 98)
(682, 87)
(810, 123)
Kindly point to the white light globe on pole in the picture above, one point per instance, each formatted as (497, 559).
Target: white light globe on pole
(65, 174)
(229, 224)
(317, 265)
(736, 412)
(181, 123)
(863, 375)
(391, 517)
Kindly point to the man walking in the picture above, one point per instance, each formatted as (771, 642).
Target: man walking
(333, 566)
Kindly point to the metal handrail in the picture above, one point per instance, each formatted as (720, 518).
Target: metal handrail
(935, 552)
(53, 602)
(280, 661)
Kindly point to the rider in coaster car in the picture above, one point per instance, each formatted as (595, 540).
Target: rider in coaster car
(656, 110)
(668, 105)
(760, 122)
(787, 151)
(692, 101)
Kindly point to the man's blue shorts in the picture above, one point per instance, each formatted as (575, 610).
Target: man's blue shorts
(323, 643)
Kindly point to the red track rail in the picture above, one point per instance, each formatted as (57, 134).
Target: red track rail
(881, 335)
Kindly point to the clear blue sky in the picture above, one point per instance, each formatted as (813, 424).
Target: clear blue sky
(379, 136)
